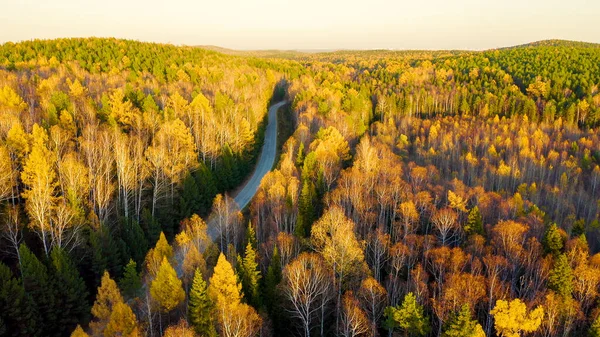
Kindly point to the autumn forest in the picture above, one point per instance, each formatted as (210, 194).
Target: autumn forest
(414, 193)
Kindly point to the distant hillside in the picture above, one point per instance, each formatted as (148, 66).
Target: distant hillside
(556, 43)
(268, 53)
(219, 49)
(342, 55)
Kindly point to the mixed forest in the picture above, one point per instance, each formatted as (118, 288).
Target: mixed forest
(416, 193)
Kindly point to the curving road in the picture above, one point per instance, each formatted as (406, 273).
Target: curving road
(264, 165)
(265, 160)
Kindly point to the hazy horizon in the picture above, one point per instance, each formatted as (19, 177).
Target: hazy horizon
(310, 25)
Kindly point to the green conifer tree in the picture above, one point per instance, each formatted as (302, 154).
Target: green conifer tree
(272, 296)
(306, 209)
(578, 228)
(149, 105)
(98, 259)
(251, 236)
(205, 180)
(131, 283)
(38, 286)
(135, 240)
(561, 277)
(16, 311)
(474, 222)
(250, 276)
(462, 325)
(151, 226)
(200, 307)
(190, 199)
(272, 279)
(409, 317)
(553, 240)
(106, 252)
(71, 293)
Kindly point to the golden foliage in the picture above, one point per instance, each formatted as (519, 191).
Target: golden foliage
(512, 318)
(166, 288)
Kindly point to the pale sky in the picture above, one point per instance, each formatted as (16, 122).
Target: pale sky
(307, 24)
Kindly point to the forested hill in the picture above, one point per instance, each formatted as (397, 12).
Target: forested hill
(420, 193)
(558, 72)
(556, 43)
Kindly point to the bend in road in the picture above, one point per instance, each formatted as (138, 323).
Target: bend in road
(265, 160)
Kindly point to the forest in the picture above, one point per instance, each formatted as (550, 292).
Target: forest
(415, 193)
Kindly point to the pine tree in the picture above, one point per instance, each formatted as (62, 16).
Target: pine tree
(474, 222)
(578, 228)
(200, 307)
(120, 256)
(226, 173)
(151, 226)
(408, 317)
(98, 258)
(131, 283)
(166, 288)
(135, 240)
(39, 288)
(561, 277)
(190, 200)
(205, 180)
(149, 105)
(108, 296)
(553, 240)
(71, 293)
(106, 252)
(272, 279)
(17, 315)
(250, 275)
(462, 325)
(251, 236)
(306, 209)
(272, 296)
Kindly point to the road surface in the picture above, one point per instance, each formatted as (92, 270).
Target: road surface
(265, 160)
(264, 165)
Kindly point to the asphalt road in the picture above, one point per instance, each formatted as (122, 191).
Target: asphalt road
(264, 165)
(265, 160)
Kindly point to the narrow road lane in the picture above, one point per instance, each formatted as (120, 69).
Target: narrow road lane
(264, 165)
(265, 160)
